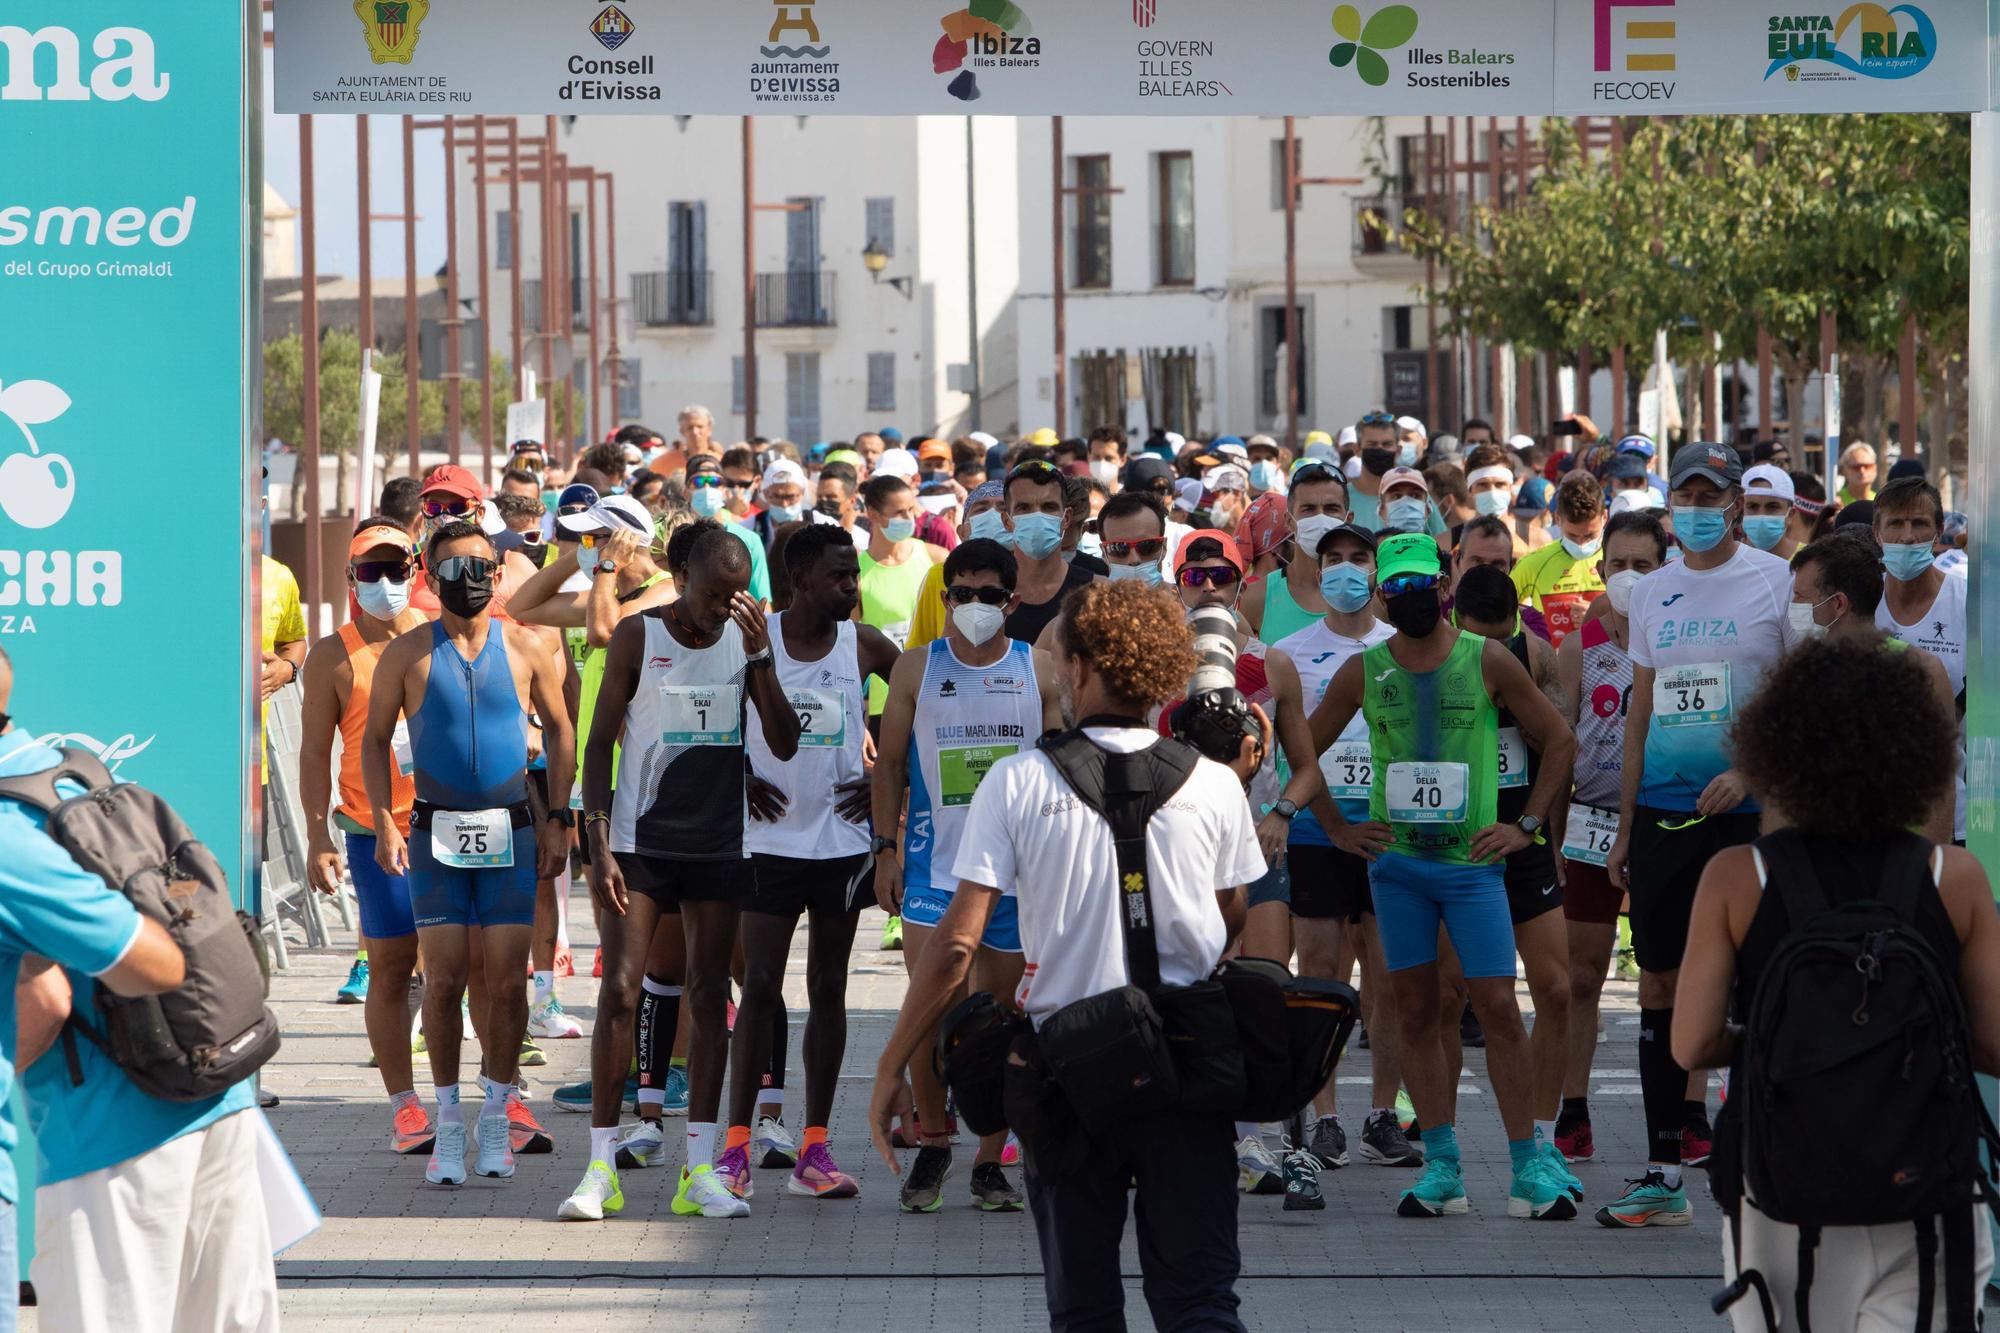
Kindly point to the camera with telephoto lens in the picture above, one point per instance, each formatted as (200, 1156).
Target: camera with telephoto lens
(1216, 716)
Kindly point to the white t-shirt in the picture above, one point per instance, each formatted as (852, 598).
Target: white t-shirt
(1709, 636)
(1029, 836)
(1940, 631)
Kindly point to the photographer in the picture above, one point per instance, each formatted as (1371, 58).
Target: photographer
(1122, 649)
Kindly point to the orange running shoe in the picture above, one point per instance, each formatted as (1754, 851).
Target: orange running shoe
(410, 1128)
(524, 1132)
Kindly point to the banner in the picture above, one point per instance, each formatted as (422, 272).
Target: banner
(1127, 57)
(127, 585)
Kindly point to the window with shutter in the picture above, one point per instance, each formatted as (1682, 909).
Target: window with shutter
(881, 381)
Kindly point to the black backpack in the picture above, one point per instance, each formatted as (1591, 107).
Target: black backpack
(213, 1030)
(1856, 1052)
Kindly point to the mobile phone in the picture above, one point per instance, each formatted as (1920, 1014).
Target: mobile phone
(1566, 428)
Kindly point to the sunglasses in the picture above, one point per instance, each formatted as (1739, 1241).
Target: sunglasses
(1210, 576)
(1147, 548)
(475, 567)
(960, 595)
(1311, 472)
(1376, 419)
(1036, 468)
(1408, 583)
(374, 571)
(705, 482)
(448, 508)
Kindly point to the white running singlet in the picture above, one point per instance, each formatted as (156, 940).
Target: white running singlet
(1606, 686)
(1317, 653)
(1940, 632)
(680, 766)
(967, 719)
(828, 697)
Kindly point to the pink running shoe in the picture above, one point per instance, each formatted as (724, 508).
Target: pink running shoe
(1010, 1153)
(733, 1169)
(817, 1177)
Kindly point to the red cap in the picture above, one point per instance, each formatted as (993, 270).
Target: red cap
(1230, 551)
(453, 480)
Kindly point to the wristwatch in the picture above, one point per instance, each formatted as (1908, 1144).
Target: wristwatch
(1286, 808)
(881, 845)
(1531, 825)
(760, 659)
(564, 816)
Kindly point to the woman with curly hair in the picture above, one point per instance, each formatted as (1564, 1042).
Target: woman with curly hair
(1841, 802)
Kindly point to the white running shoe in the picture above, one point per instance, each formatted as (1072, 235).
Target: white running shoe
(703, 1191)
(771, 1146)
(547, 1020)
(447, 1164)
(496, 1150)
(597, 1194)
(1258, 1172)
(639, 1145)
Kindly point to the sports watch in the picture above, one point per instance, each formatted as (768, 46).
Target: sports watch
(880, 845)
(1286, 808)
(1531, 825)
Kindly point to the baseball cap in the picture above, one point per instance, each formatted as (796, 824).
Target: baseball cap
(1636, 444)
(1362, 535)
(1187, 494)
(450, 479)
(1314, 437)
(890, 435)
(1176, 441)
(1532, 498)
(1906, 467)
(1704, 458)
(1404, 476)
(1765, 477)
(1228, 477)
(1636, 501)
(896, 463)
(782, 471)
(1349, 435)
(847, 456)
(519, 447)
(818, 452)
(611, 513)
(1229, 447)
(1412, 424)
(934, 449)
(1625, 467)
(1406, 553)
(576, 500)
(1762, 451)
(1045, 438)
(1261, 442)
(983, 439)
(1144, 471)
(1230, 550)
(379, 534)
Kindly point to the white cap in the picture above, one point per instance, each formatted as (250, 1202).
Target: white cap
(633, 455)
(611, 513)
(1348, 435)
(1520, 443)
(1321, 451)
(1187, 494)
(1636, 501)
(782, 471)
(896, 463)
(1263, 442)
(1776, 480)
(1404, 476)
(1412, 424)
(1230, 450)
(1226, 477)
(490, 521)
(983, 440)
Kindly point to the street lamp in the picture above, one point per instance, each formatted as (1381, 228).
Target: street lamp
(876, 260)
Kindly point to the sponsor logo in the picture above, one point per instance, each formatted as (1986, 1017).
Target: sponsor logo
(612, 27)
(87, 226)
(1144, 12)
(948, 690)
(392, 28)
(1014, 683)
(659, 663)
(1867, 41)
(37, 488)
(1609, 701)
(796, 64)
(1172, 68)
(1362, 44)
(1675, 598)
(1696, 630)
(126, 66)
(1633, 44)
(990, 35)
(111, 753)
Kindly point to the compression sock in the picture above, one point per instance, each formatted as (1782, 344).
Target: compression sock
(1663, 1084)
(1545, 1131)
(653, 1035)
(814, 1134)
(448, 1109)
(1521, 1151)
(737, 1137)
(360, 955)
(1440, 1143)
(496, 1097)
(1575, 1111)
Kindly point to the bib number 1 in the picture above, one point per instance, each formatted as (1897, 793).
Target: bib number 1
(701, 715)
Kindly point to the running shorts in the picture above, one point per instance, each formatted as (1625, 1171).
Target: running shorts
(670, 883)
(926, 906)
(1327, 883)
(1273, 886)
(1665, 869)
(384, 898)
(786, 886)
(1413, 896)
(1531, 893)
(442, 895)
(1589, 896)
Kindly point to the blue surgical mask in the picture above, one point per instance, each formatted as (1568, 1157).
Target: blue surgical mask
(1907, 560)
(1765, 531)
(1346, 587)
(988, 525)
(1582, 550)
(782, 514)
(1038, 535)
(1147, 572)
(1492, 504)
(899, 529)
(1406, 453)
(382, 599)
(1090, 544)
(706, 501)
(1264, 475)
(1405, 515)
(1700, 529)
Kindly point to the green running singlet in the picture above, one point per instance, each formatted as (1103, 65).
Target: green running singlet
(1435, 738)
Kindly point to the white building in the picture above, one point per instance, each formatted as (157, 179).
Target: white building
(841, 347)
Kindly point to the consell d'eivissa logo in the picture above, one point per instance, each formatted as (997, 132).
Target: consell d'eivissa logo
(1866, 41)
(125, 66)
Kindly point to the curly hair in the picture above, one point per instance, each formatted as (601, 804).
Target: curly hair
(1136, 638)
(1892, 727)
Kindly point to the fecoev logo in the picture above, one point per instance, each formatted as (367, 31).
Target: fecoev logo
(125, 66)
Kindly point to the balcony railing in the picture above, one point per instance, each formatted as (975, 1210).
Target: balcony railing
(678, 298)
(803, 299)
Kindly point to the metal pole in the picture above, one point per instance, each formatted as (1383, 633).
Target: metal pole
(1431, 415)
(309, 344)
(549, 279)
(611, 283)
(1906, 387)
(454, 385)
(1061, 267)
(412, 367)
(364, 191)
(972, 274)
(1465, 407)
(1291, 386)
(1493, 357)
(576, 416)
(514, 270)
(485, 298)
(592, 315)
(749, 280)
(1765, 420)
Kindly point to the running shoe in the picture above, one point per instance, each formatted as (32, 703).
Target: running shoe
(923, 1187)
(676, 1090)
(733, 1170)
(597, 1194)
(547, 1020)
(1362, 1039)
(410, 1128)
(1302, 1181)
(356, 989)
(703, 1192)
(496, 1151)
(447, 1164)
(1697, 1142)
(771, 1147)
(1648, 1202)
(1328, 1144)
(1558, 1169)
(523, 1130)
(576, 1096)
(639, 1145)
(597, 963)
(1440, 1190)
(1575, 1143)
(1470, 1034)
(1010, 1151)
(892, 934)
(992, 1192)
(817, 1177)
(1537, 1192)
(1383, 1144)
(1256, 1169)
(1406, 1110)
(531, 1056)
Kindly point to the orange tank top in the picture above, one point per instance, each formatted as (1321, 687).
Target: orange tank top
(361, 658)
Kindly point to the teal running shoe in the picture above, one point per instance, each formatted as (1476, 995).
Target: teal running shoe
(1558, 1168)
(1537, 1192)
(356, 989)
(1648, 1202)
(1440, 1190)
(576, 1096)
(677, 1090)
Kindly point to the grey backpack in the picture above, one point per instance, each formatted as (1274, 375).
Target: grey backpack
(213, 1030)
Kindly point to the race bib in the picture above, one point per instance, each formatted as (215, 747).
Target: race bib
(399, 745)
(1349, 769)
(1513, 759)
(1696, 695)
(899, 633)
(1426, 793)
(1589, 833)
(822, 718)
(701, 714)
(962, 768)
(473, 839)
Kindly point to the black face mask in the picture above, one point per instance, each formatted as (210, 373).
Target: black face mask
(831, 508)
(1378, 461)
(465, 598)
(1415, 613)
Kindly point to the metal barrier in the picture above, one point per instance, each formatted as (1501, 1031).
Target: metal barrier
(288, 892)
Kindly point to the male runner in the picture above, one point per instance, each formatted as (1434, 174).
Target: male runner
(1704, 629)
(1560, 579)
(675, 681)
(1921, 604)
(893, 566)
(1431, 696)
(1290, 600)
(955, 709)
(1037, 511)
(340, 670)
(808, 846)
(474, 846)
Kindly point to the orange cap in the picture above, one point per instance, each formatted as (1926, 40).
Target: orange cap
(1230, 550)
(379, 534)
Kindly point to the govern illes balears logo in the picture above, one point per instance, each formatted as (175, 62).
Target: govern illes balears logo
(1361, 45)
(985, 35)
(1867, 41)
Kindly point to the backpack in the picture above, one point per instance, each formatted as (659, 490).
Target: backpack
(1856, 1052)
(213, 1030)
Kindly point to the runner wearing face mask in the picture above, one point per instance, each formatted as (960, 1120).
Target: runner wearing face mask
(1107, 457)
(1378, 450)
(1318, 504)
(1037, 510)
(893, 567)
(1133, 527)
(1267, 466)
(981, 517)
(1560, 579)
(1922, 605)
(1768, 496)
(1406, 502)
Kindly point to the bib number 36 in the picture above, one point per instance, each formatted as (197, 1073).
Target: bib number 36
(1696, 695)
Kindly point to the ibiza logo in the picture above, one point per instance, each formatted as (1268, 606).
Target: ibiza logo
(990, 35)
(611, 28)
(392, 28)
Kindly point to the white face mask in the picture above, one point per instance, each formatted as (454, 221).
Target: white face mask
(1311, 529)
(977, 621)
(1104, 471)
(1804, 627)
(1619, 588)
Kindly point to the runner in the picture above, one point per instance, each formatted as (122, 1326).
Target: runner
(1560, 580)
(1435, 786)
(1378, 450)
(1768, 506)
(675, 681)
(955, 708)
(339, 672)
(808, 839)
(1704, 629)
(1595, 671)
(1921, 604)
(892, 568)
(1317, 502)
(1037, 511)
(474, 846)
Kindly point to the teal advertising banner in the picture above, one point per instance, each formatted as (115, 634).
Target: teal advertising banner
(126, 512)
